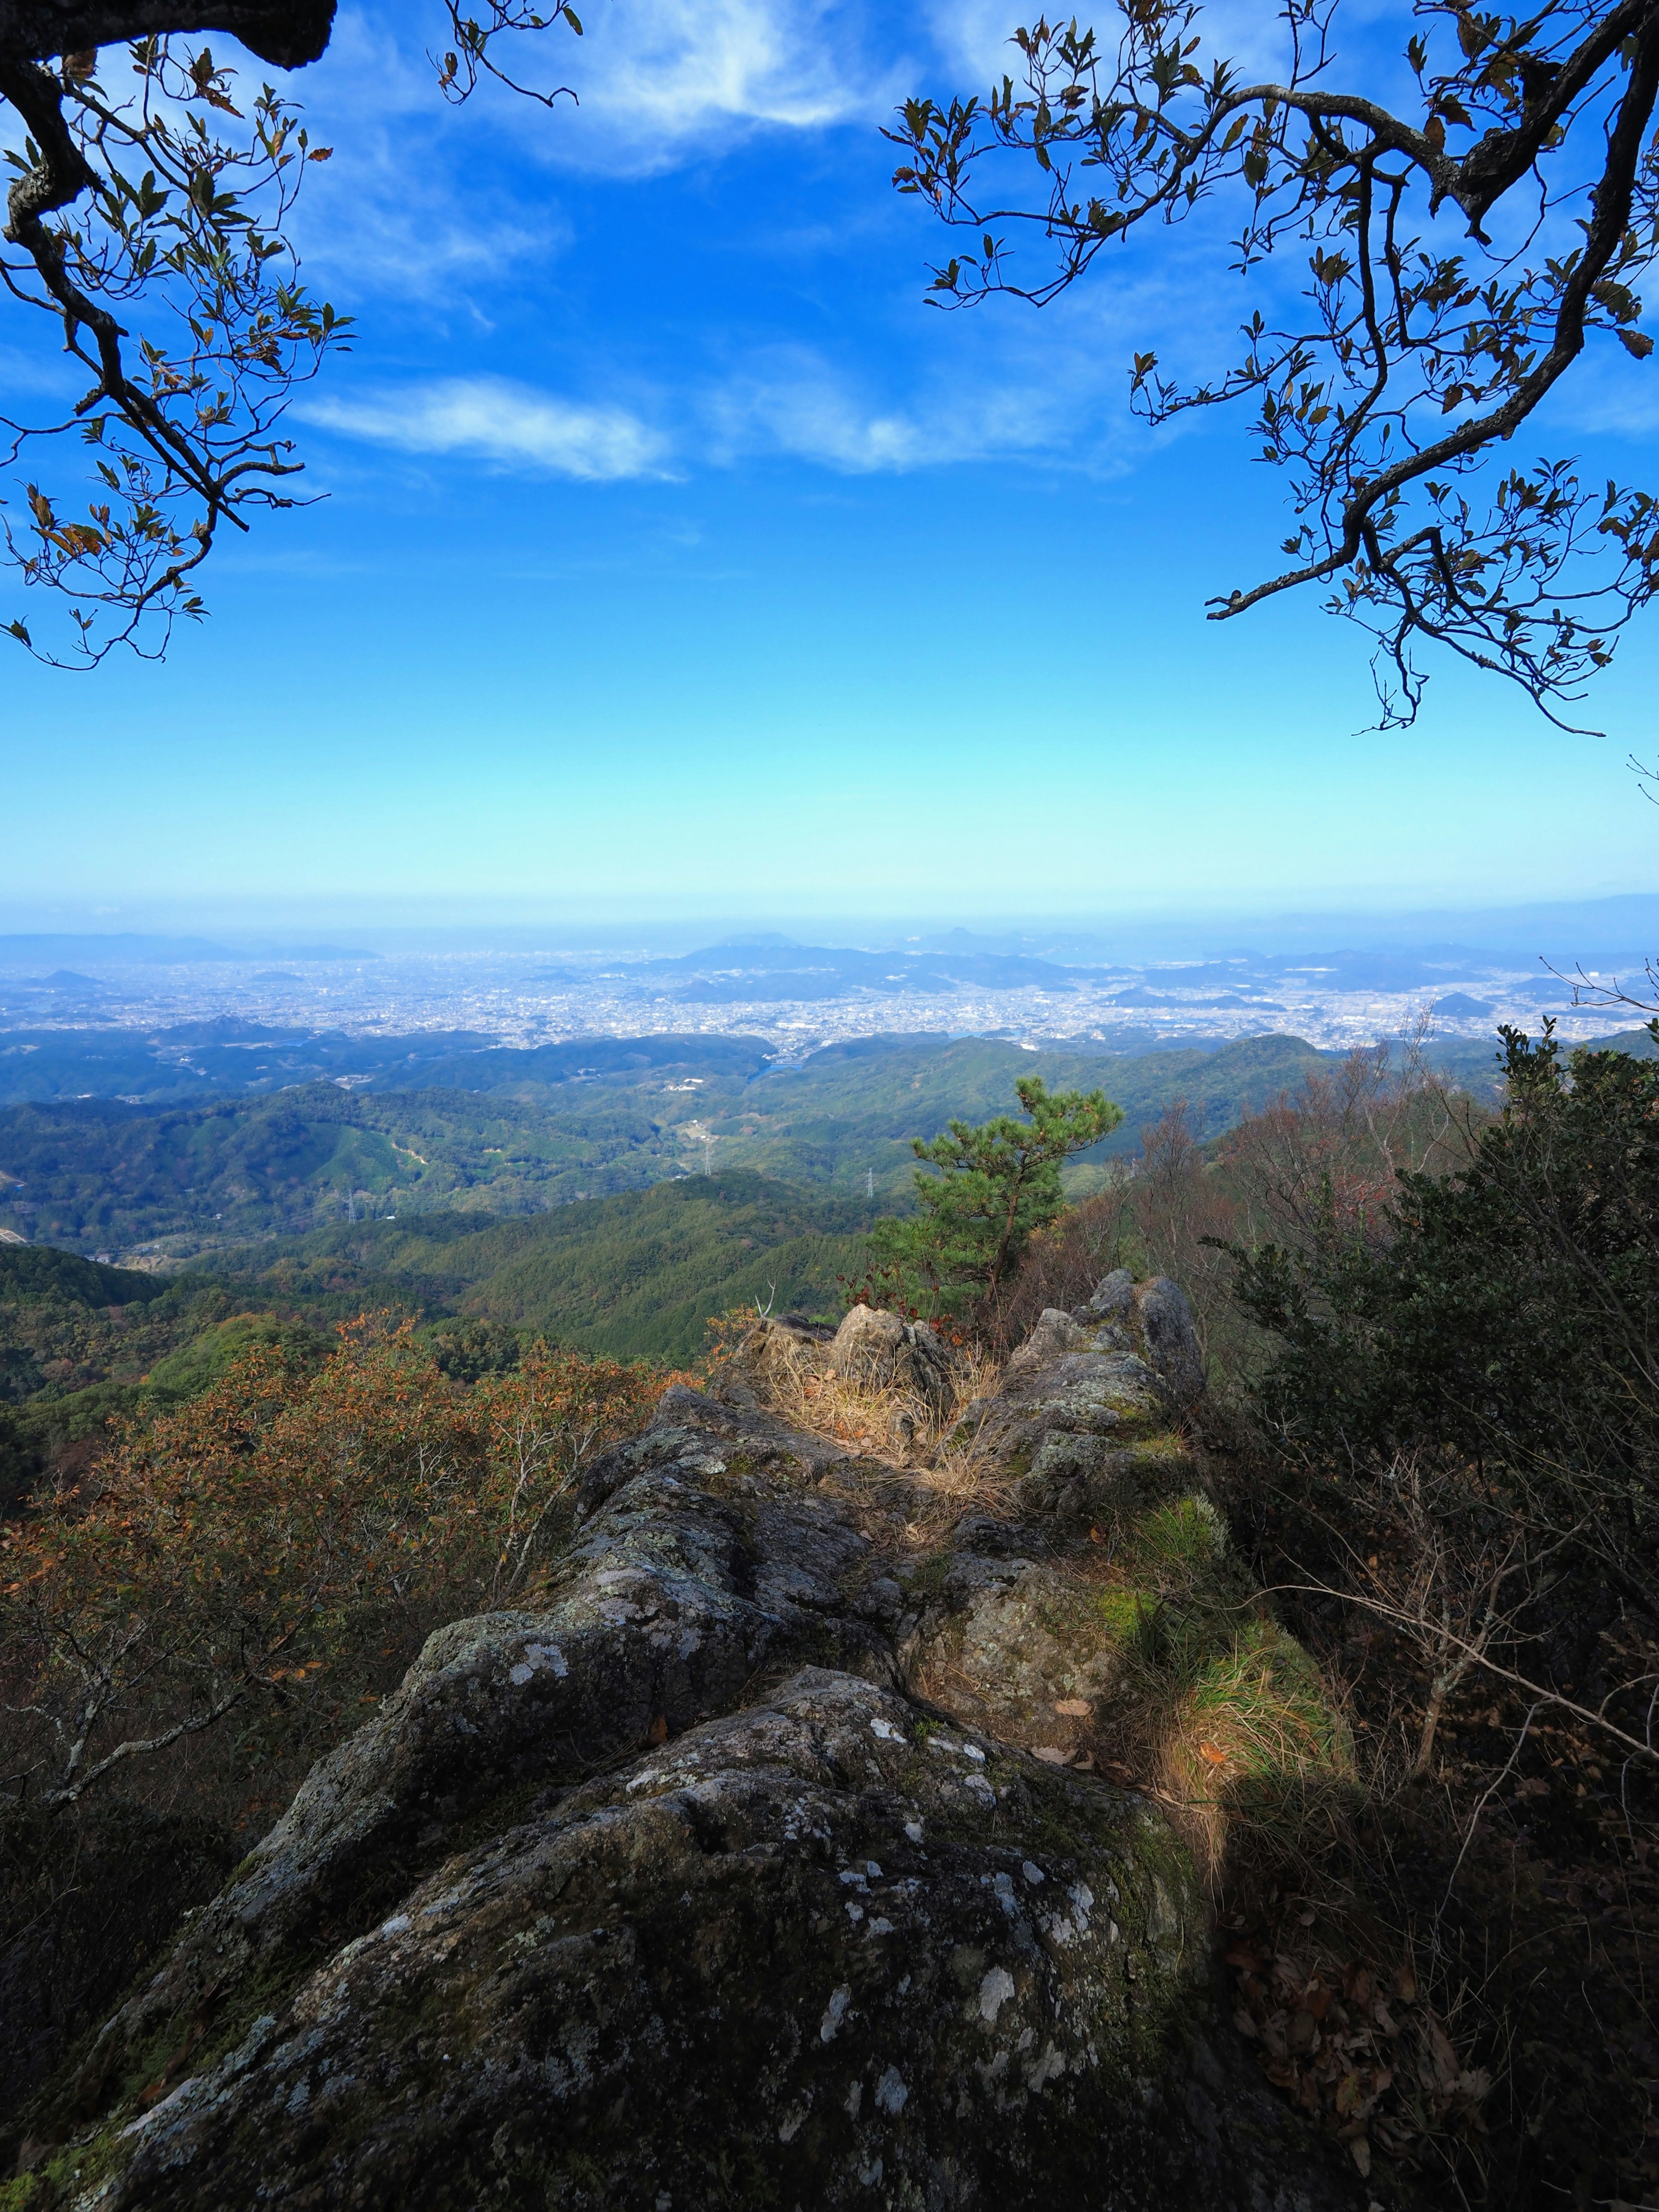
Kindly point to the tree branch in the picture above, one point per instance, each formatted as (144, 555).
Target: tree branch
(286, 33)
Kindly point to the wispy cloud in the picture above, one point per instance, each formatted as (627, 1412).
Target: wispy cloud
(792, 401)
(660, 80)
(488, 419)
(409, 208)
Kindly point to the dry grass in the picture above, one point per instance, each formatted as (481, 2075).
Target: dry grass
(1217, 1710)
(894, 1426)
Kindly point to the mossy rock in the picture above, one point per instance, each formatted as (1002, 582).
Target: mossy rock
(608, 1907)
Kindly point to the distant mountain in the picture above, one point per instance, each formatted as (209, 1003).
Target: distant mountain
(771, 970)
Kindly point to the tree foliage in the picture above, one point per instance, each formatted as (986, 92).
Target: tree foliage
(1510, 1312)
(1460, 256)
(996, 1184)
(148, 218)
(254, 1549)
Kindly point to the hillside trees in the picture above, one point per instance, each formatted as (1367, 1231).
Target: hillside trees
(262, 1551)
(1509, 1309)
(1311, 1164)
(1465, 248)
(148, 221)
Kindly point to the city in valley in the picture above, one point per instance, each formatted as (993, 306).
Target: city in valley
(201, 1012)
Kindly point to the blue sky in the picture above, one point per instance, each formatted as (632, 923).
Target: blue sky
(677, 558)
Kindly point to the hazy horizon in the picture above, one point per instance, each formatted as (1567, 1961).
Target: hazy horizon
(1619, 926)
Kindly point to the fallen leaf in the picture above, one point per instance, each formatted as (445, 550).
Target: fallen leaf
(1074, 1708)
(1241, 1954)
(1051, 1754)
(1355, 1983)
(1360, 2151)
(1215, 1757)
(1441, 2070)
(1474, 2084)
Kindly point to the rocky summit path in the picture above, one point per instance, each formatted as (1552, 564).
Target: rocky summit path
(680, 1894)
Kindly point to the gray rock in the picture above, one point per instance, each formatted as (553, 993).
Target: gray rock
(1112, 1297)
(811, 1955)
(1169, 1339)
(868, 1347)
(883, 1351)
(673, 1599)
(671, 1894)
(1085, 1385)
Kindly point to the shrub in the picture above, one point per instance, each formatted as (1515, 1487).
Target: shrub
(263, 1551)
(1509, 1310)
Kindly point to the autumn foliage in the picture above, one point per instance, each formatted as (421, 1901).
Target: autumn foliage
(269, 1556)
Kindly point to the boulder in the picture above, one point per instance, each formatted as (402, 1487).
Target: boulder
(1085, 1406)
(682, 1892)
(883, 1351)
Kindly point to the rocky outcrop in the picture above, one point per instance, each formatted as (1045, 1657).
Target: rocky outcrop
(882, 1352)
(685, 1892)
(1087, 1406)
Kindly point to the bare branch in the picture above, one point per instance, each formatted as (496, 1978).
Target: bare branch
(1539, 1691)
(1403, 334)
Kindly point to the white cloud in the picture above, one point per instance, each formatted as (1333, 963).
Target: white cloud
(791, 401)
(490, 419)
(408, 207)
(678, 64)
(664, 80)
(786, 402)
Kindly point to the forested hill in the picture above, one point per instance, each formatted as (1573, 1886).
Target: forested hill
(639, 1274)
(516, 1132)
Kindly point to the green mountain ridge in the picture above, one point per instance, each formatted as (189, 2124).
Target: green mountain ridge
(635, 1274)
(176, 1181)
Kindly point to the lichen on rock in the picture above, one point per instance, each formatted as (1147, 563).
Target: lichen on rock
(693, 1888)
